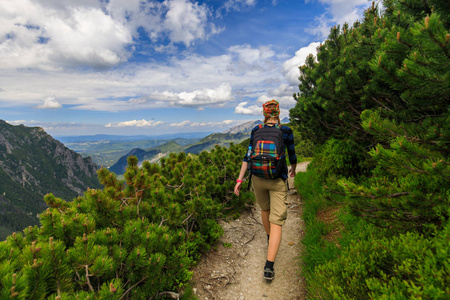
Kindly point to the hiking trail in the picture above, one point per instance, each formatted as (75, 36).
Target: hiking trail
(233, 269)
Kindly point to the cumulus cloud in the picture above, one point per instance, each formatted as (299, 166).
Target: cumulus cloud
(56, 34)
(188, 123)
(135, 123)
(50, 103)
(197, 98)
(39, 36)
(185, 21)
(291, 66)
(250, 110)
(337, 12)
(181, 124)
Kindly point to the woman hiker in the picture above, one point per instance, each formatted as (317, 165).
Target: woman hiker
(271, 194)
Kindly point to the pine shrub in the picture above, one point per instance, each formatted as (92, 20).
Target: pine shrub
(130, 240)
(381, 89)
(402, 267)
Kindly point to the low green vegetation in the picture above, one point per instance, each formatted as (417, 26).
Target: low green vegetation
(130, 240)
(347, 257)
(375, 104)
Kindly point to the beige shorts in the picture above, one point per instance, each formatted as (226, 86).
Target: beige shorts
(271, 194)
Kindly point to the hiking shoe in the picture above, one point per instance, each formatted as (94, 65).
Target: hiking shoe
(269, 274)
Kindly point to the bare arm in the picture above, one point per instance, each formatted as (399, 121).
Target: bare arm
(238, 185)
(293, 170)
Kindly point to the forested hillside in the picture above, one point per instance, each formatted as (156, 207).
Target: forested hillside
(375, 102)
(33, 164)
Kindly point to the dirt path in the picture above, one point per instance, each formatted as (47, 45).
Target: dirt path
(234, 270)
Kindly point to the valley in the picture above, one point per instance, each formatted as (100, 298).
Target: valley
(111, 151)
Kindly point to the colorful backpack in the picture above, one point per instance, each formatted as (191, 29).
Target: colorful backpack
(267, 159)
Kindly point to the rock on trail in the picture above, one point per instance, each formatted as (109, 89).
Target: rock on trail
(234, 269)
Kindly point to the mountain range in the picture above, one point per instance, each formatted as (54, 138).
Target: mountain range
(236, 134)
(32, 164)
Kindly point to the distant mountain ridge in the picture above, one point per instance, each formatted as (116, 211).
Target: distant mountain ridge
(243, 128)
(236, 135)
(33, 164)
(248, 126)
(120, 166)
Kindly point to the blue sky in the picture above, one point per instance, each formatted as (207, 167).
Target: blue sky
(84, 67)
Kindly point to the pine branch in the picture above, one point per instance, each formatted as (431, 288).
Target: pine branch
(134, 285)
(381, 104)
(384, 68)
(416, 170)
(426, 116)
(185, 220)
(327, 125)
(176, 187)
(420, 76)
(162, 221)
(443, 46)
(87, 278)
(386, 196)
(357, 113)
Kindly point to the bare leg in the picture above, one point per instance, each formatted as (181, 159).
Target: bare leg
(265, 220)
(274, 241)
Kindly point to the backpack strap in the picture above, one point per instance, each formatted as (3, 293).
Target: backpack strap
(249, 167)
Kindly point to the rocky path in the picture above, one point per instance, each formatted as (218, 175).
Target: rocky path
(234, 269)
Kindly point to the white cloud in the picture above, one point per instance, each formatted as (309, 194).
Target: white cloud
(50, 125)
(206, 96)
(197, 98)
(45, 37)
(251, 110)
(185, 21)
(51, 35)
(88, 37)
(283, 94)
(217, 124)
(247, 58)
(238, 4)
(50, 103)
(135, 123)
(338, 12)
(291, 66)
(181, 124)
(251, 55)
